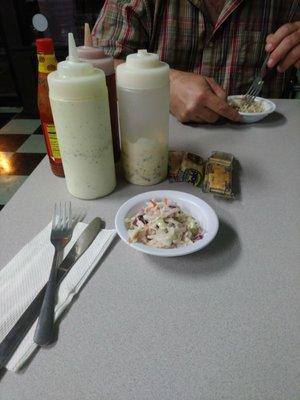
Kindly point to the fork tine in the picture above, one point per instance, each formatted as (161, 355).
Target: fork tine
(66, 214)
(60, 215)
(253, 90)
(249, 90)
(250, 94)
(255, 94)
(252, 87)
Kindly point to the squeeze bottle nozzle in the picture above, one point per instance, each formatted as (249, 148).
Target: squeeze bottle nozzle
(87, 36)
(73, 55)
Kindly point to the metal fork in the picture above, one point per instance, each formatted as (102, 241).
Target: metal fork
(61, 234)
(256, 85)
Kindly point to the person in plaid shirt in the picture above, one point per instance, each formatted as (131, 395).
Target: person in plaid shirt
(214, 47)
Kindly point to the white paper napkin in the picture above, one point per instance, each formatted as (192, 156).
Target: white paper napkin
(25, 275)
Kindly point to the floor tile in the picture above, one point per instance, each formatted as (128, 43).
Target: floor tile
(34, 144)
(11, 110)
(38, 131)
(12, 142)
(5, 118)
(20, 126)
(8, 186)
(26, 115)
(24, 163)
(5, 163)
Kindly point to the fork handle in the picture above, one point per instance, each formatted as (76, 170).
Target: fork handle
(44, 332)
(263, 69)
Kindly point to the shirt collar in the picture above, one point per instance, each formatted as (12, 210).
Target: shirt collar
(229, 7)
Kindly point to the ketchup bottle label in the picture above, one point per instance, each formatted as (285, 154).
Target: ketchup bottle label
(51, 139)
(47, 63)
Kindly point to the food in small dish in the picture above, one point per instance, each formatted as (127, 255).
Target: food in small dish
(241, 105)
(163, 224)
(192, 205)
(252, 115)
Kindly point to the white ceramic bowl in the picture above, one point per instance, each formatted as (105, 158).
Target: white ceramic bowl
(196, 207)
(249, 118)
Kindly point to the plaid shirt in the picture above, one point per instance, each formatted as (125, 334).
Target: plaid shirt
(181, 32)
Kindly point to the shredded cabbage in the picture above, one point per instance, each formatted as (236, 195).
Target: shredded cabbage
(164, 225)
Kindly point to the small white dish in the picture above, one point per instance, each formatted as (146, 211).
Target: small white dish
(196, 207)
(251, 117)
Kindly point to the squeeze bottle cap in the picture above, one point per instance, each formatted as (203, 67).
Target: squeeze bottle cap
(95, 55)
(143, 70)
(73, 67)
(75, 79)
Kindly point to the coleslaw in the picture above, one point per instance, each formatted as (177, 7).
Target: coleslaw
(163, 224)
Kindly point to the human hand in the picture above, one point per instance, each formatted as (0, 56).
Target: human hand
(284, 47)
(196, 98)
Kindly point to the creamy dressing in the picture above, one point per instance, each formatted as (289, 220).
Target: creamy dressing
(86, 146)
(145, 161)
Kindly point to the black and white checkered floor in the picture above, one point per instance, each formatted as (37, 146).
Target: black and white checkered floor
(22, 148)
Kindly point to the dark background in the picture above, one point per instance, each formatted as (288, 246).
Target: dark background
(18, 62)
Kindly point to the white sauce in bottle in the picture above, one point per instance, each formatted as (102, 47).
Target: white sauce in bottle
(79, 103)
(143, 98)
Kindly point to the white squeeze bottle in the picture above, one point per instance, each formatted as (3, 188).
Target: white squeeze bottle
(143, 99)
(79, 103)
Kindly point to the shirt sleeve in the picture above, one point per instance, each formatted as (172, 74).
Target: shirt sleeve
(123, 27)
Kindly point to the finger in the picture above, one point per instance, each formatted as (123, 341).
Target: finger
(216, 88)
(206, 115)
(221, 107)
(291, 59)
(269, 42)
(274, 39)
(284, 47)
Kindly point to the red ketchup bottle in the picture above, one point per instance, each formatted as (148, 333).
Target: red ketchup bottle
(46, 64)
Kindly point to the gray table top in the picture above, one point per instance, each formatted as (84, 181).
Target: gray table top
(220, 324)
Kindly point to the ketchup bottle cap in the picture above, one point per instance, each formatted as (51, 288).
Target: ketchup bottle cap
(45, 46)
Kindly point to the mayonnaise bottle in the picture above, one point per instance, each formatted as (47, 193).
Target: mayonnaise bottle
(143, 99)
(79, 102)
